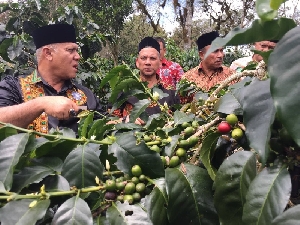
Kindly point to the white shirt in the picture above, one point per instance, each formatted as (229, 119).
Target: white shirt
(240, 63)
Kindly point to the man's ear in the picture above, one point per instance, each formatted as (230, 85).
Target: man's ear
(201, 55)
(47, 53)
(136, 63)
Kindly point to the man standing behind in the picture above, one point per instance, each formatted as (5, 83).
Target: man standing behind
(170, 72)
(263, 46)
(48, 98)
(211, 70)
(148, 62)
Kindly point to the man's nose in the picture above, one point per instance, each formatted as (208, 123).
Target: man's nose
(77, 56)
(220, 54)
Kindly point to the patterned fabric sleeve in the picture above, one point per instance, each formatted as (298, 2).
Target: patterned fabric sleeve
(122, 112)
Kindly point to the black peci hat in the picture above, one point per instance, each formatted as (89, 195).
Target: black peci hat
(206, 39)
(54, 33)
(149, 42)
(275, 41)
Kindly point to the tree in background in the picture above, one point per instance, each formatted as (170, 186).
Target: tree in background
(228, 14)
(290, 10)
(109, 15)
(183, 11)
(199, 27)
(136, 28)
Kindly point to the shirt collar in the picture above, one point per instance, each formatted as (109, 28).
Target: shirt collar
(164, 61)
(201, 70)
(37, 78)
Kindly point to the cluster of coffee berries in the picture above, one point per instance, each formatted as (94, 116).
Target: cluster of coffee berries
(126, 188)
(230, 126)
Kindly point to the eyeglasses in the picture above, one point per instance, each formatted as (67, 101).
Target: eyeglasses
(72, 50)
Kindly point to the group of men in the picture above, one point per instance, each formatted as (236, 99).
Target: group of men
(49, 98)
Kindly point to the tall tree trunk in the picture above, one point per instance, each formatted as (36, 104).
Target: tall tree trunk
(189, 23)
(114, 51)
(185, 20)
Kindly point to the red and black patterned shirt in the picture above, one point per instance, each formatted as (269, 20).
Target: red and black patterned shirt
(170, 74)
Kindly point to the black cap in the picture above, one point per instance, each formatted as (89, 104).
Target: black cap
(149, 42)
(54, 33)
(206, 39)
(275, 41)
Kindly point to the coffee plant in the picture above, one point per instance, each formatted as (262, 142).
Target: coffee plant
(230, 156)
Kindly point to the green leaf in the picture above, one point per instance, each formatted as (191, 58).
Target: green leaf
(268, 195)
(283, 69)
(19, 213)
(101, 220)
(207, 152)
(34, 174)
(228, 104)
(83, 125)
(275, 4)
(181, 117)
(11, 150)
(82, 166)
(124, 97)
(15, 50)
(74, 211)
(154, 121)
(127, 126)
(258, 31)
(6, 131)
(114, 74)
(64, 132)
(98, 128)
(11, 24)
(128, 154)
(160, 92)
(138, 109)
(156, 202)
(264, 10)
(57, 148)
(123, 213)
(259, 114)
(289, 217)
(2, 188)
(190, 196)
(4, 47)
(231, 186)
(124, 86)
(56, 183)
(170, 148)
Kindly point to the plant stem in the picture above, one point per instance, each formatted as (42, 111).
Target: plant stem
(259, 73)
(51, 136)
(13, 196)
(113, 173)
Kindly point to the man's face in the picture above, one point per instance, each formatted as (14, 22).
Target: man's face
(65, 60)
(263, 46)
(214, 60)
(148, 61)
(162, 50)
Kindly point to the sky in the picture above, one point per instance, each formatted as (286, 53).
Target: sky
(168, 19)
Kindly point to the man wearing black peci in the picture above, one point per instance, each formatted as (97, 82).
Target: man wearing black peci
(148, 62)
(48, 98)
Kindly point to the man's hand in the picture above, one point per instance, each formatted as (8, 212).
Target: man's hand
(59, 107)
(139, 121)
